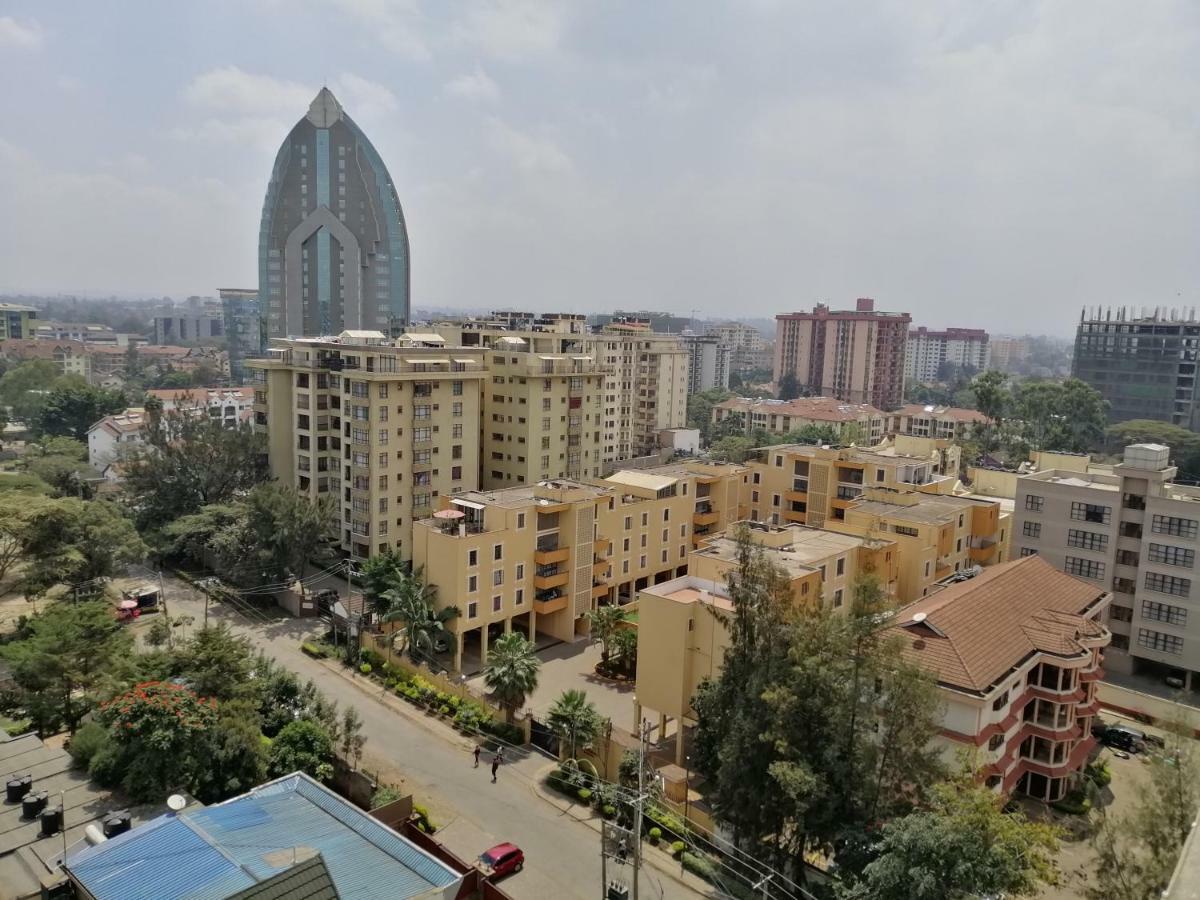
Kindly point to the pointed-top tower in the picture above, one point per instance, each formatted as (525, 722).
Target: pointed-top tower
(333, 246)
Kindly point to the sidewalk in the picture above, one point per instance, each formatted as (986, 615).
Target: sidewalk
(657, 858)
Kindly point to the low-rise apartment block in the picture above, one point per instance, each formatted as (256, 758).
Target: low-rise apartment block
(17, 322)
(946, 422)
(852, 422)
(539, 557)
(71, 357)
(1017, 653)
(1131, 531)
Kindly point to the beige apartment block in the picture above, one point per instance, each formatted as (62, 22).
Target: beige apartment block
(645, 374)
(1133, 531)
(949, 422)
(541, 415)
(852, 422)
(383, 427)
(820, 565)
(539, 557)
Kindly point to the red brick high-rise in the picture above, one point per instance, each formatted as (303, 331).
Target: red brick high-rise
(855, 355)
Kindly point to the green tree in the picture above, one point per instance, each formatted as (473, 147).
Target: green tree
(61, 660)
(302, 746)
(624, 645)
(992, 397)
(700, 408)
(68, 476)
(604, 621)
(732, 449)
(512, 670)
(380, 574)
(574, 718)
(190, 462)
(289, 528)
(17, 510)
(235, 754)
(1184, 443)
(72, 408)
(352, 738)
(217, 663)
(789, 387)
(72, 541)
(815, 434)
(1068, 417)
(23, 387)
(412, 601)
(159, 735)
(965, 845)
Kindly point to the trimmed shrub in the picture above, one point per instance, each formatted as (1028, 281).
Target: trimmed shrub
(89, 740)
(584, 794)
(655, 835)
(365, 668)
(421, 816)
(444, 710)
(1075, 803)
(308, 648)
(371, 658)
(677, 848)
(608, 810)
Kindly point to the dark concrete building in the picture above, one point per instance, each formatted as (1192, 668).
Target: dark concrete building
(333, 247)
(1142, 362)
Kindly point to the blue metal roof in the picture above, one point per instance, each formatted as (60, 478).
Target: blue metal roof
(209, 853)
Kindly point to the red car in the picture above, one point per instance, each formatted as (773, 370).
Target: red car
(501, 860)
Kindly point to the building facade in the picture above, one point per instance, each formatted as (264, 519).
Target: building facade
(928, 351)
(708, 363)
(749, 348)
(854, 355)
(947, 422)
(188, 329)
(1136, 533)
(333, 246)
(1017, 653)
(245, 329)
(17, 322)
(1008, 354)
(853, 423)
(1144, 365)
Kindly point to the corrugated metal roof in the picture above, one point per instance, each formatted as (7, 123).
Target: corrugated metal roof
(213, 852)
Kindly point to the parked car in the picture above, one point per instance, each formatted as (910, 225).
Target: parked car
(1123, 737)
(501, 860)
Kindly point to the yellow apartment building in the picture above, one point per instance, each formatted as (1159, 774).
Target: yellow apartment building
(539, 557)
(386, 428)
(819, 564)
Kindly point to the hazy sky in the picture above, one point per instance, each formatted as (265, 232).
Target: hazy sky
(994, 164)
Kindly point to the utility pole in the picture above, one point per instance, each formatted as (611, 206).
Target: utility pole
(603, 859)
(641, 799)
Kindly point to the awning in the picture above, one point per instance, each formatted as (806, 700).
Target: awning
(470, 504)
(466, 361)
(552, 357)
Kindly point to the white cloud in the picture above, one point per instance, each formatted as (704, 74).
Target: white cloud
(397, 23)
(230, 90)
(25, 35)
(477, 85)
(529, 153)
(364, 99)
(512, 30)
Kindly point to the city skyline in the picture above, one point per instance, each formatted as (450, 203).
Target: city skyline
(565, 160)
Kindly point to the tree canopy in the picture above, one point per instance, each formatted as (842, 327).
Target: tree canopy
(73, 406)
(511, 672)
(700, 407)
(70, 541)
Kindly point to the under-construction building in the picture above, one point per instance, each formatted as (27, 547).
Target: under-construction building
(1143, 361)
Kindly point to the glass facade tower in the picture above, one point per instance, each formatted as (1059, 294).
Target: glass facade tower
(333, 247)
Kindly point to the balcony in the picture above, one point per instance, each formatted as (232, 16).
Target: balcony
(551, 580)
(599, 590)
(599, 567)
(794, 515)
(795, 496)
(550, 605)
(981, 554)
(551, 555)
(601, 543)
(707, 517)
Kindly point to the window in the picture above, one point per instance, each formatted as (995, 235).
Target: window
(628, 522)
(1172, 556)
(456, 388)
(904, 529)
(995, 742)
(754, 496)
(642, 563)
(1125, 614)
(472, 610)
(664, 556)
(456, 409)
(520, 520)
(1120, 642)
(645, 519)
(1000, 702)
(456, 473)
(497, 603)
(497, 577)
(1171, 525)
(666, 535)
(519, 597)
(1091, 512)
(1028, 551)
(837, 598)
(643, 540)
(1156, 640)
(1087, 540)
(625, 545)
(456, 432)
(472, 557)
(498, 551)
(841, 565)
(1032, 529)
(1083, 568)
(1034, 502)
(472, 584)
(1168, 584)
(520, 571)
(667, 515)
(1162, 612)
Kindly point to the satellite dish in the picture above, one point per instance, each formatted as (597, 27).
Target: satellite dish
(917, 617)
(176, 802)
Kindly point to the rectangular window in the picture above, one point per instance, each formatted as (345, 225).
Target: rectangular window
(520, 571)
(456, 432)
(498, 551)
(472, 557)
(1186, 528)
(1156, 640)
(519, 597)
(1162, 612)
(497, 603)
(456, 473)
(1172, 556)
(1034, 502)
(472, 584)
(497, 577)
(642, 563)
(1083, 568)
(1087, 540)
(1168, 584)
(456, 409)
(841, 565)
(1091, 512)
(1031, 529)
(472, 609)
(625, 545)
(837, 598)
(520, 520)
(456, 388)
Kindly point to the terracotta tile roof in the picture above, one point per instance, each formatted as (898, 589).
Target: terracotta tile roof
(819, 409)
(974, 632)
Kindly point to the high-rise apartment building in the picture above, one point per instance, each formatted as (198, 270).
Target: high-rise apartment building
(1133, 532)
(333, 246)
(747, 343)
(645, 375)
(1007, 354)
(855, 355)
(1143, 364)
(245, 329)
(708, 362)
(928, 351)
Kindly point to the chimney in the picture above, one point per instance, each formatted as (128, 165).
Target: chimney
(864, 304)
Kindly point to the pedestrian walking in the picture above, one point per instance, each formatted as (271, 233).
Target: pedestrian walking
(495, 766)
(476, 756)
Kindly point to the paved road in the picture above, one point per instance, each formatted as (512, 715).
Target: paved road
(472, 813)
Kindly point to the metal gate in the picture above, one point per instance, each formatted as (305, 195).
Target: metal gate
(542, 737)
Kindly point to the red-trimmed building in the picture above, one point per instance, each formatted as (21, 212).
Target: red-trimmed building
(1017, 653)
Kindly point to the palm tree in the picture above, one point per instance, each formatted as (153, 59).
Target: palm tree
(605, 620)
(411, 601)
(625, 645)
(574, 718)
(511, 671)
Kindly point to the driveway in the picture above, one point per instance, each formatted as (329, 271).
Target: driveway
(562, 855)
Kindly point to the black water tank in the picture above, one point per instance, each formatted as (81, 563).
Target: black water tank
(117, 823)
(52, 819)
(33, 803)
(18, 786)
